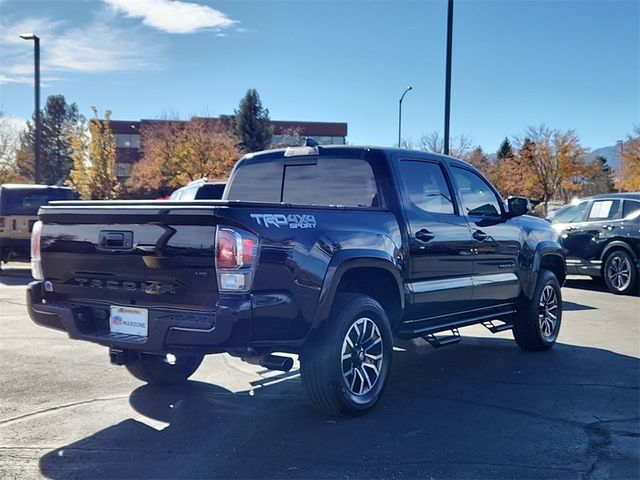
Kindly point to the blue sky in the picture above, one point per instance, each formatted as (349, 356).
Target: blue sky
(569, 64)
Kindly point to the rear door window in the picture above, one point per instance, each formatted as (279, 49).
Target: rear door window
(425, 184)
(604, 210)
(331, 181)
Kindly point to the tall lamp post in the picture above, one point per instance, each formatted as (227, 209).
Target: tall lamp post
(400, 115)
(36, 67)
(447, 92)
(621, 142)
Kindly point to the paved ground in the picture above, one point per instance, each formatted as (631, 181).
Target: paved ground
(478, 409)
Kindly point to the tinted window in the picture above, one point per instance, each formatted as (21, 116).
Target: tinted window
(426, 186)
(604, 210)
(210, 191)
(570, 214)
(189, 194)
(257, 182)
(27, 202)
(478, 198)
(630, 208)
(332, 181)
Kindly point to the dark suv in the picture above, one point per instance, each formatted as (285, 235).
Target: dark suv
(601, 235)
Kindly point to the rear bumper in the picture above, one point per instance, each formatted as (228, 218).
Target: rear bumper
(227, 328)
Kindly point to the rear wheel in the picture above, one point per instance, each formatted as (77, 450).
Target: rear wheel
(345, 367)
(537, 322)
(164, 369)
(620, 273)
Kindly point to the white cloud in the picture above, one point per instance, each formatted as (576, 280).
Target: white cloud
(98, 46)
(173, 16)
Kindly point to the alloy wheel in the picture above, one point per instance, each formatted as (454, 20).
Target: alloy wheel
(619, 272)
(362, 356)
(548, 311)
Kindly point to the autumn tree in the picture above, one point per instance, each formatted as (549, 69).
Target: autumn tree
(94, 157)
(175, 153)
(25, 159)
(8, 146)
(555, 160)
(251, 123)
(630, 163)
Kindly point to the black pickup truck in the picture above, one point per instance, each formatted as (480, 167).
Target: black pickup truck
(325, 252)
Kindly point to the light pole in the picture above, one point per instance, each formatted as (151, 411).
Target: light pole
(400, 115)
(447, 90)
(621, 142)
(36, 68)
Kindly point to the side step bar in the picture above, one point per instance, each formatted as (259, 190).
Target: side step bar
(442, 340)
(497, 328)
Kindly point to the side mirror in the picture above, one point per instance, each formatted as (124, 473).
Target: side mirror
(518, 206)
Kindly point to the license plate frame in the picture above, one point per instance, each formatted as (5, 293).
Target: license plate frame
(129, 320)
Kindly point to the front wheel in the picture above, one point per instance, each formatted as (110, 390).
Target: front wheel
(620, 273)
(164, 369)
(344, 368)
(537, 323)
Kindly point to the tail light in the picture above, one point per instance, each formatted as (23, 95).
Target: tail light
(236, 259)
(36, 265)
(3, 221)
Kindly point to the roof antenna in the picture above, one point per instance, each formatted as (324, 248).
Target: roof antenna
(310, 142)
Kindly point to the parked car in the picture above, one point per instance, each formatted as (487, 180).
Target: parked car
(19, 206)
(201, 189)
(325, 252)
(601, 235)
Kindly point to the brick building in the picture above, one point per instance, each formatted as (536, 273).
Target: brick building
(127, 136)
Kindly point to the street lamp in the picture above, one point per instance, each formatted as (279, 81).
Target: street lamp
(400, 114)
(447, 89)
(36, 67)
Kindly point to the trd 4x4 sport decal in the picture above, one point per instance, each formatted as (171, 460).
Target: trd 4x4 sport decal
(280, 220)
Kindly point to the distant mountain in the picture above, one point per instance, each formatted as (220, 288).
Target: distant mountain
(612, 154)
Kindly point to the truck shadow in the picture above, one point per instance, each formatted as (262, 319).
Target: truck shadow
(479, 409)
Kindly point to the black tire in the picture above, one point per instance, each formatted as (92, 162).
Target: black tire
(325, 374)
(533, 326)
(157, 369)
(620, 273)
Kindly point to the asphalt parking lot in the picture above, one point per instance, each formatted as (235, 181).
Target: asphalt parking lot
(478, 409)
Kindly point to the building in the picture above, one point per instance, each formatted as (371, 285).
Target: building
(128, 144)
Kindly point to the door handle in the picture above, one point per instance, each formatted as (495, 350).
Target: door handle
(425, 235)
(479, 235)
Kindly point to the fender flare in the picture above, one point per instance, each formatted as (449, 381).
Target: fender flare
(543, 249)
(347, 260)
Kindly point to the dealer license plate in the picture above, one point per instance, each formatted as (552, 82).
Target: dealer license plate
(129, 320)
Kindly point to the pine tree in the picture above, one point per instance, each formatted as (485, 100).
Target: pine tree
(505, 151)
(251, 123)
(58, 121)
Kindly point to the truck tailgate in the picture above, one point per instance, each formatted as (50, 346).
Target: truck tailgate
(131, 253)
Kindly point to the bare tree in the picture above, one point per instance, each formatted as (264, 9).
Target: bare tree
(460, 146)
(9, 136)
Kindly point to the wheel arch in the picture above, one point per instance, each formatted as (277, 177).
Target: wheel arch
(548, 256)
(370, 273)
(617, 245)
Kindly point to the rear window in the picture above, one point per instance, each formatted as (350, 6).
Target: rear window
(27, 202)
(346, 182)
(210, 191)
(332, 181)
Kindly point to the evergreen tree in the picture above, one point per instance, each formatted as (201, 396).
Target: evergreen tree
(505, 151)
(59, 119)
(601, 180)
(251, 123)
